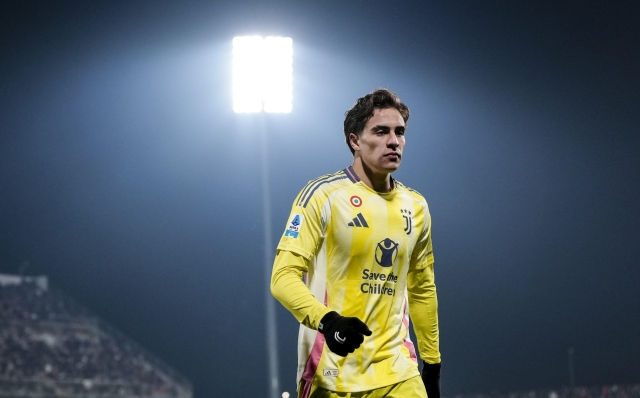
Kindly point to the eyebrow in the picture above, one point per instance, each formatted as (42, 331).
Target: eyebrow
(383, 127)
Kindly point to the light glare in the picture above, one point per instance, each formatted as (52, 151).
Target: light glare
(262, 74)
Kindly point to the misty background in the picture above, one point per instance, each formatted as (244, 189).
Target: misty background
(127, 179)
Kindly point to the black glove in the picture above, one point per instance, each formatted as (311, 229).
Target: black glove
(431, 379)
(342, 334)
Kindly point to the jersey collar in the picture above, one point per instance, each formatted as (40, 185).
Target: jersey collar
(351, 174)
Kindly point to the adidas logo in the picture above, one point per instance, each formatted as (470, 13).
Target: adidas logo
(359, 221)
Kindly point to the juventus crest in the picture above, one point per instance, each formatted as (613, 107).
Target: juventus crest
(406, 214)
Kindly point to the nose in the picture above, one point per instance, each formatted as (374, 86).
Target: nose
(393, 141)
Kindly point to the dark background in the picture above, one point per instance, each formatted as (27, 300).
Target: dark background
(127, 179)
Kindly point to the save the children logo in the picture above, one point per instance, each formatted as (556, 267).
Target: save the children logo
(386, 252)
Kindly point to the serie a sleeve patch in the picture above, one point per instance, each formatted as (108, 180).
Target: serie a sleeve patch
(293, 229)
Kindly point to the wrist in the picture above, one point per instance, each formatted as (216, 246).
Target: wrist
(327, 321)
(432, 369)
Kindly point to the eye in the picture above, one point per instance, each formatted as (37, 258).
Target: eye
(399, 132)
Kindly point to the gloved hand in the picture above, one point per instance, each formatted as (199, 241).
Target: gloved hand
(431, 378)
(342, 334)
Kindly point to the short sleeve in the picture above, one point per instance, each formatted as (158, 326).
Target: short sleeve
(305, 227)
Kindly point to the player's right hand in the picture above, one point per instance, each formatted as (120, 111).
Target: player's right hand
(431, 378)
(342, 334)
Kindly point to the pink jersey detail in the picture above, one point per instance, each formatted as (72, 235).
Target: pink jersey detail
(407, 343)
(306, 389)
(314, 358)
(316, 353)
(351, 174)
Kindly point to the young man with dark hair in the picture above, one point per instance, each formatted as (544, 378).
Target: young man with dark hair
(362, 242)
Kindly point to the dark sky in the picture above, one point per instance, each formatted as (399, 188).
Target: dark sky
(128, 180)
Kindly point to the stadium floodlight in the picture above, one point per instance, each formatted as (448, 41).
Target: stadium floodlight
(263, 81)
(262, 74)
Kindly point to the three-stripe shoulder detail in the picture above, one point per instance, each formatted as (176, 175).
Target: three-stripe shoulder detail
(401, 185)
(312, 187)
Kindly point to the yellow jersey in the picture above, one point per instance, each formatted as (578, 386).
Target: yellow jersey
(364, 254)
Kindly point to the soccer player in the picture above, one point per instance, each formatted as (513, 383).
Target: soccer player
(355, 261)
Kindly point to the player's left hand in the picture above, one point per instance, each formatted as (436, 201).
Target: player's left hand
(431, 378)
(343, 335)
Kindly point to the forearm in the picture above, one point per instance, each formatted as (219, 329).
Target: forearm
(423, 309)
(424, 316)
(289, 289)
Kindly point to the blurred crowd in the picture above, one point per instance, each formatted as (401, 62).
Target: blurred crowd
(50, 346)
(30, 302)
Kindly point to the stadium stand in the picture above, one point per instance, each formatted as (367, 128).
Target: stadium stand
(52, 347)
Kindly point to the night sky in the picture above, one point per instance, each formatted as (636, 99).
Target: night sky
(127, 179)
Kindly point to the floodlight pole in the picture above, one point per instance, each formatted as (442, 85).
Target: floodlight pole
(262, 83)
(272, 340)
(572, 375)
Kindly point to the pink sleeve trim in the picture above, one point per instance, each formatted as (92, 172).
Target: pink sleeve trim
(407, 341)
(316, 353)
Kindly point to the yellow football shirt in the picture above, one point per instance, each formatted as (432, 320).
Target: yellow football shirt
(364, 254)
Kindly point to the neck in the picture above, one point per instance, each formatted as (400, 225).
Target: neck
(379, 182)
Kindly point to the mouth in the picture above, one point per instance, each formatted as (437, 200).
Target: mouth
(393, 156)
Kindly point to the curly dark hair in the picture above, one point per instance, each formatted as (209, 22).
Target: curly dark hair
(357, 117)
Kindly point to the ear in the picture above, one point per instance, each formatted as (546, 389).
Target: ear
(353, 141)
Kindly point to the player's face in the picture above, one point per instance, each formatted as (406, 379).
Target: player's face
(382, 141)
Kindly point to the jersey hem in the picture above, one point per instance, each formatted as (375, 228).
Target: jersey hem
(357, 388)
(293, 249)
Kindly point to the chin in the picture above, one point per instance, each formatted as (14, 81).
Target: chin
(390, 168)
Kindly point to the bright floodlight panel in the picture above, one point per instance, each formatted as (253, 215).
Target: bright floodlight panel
(262, 74)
